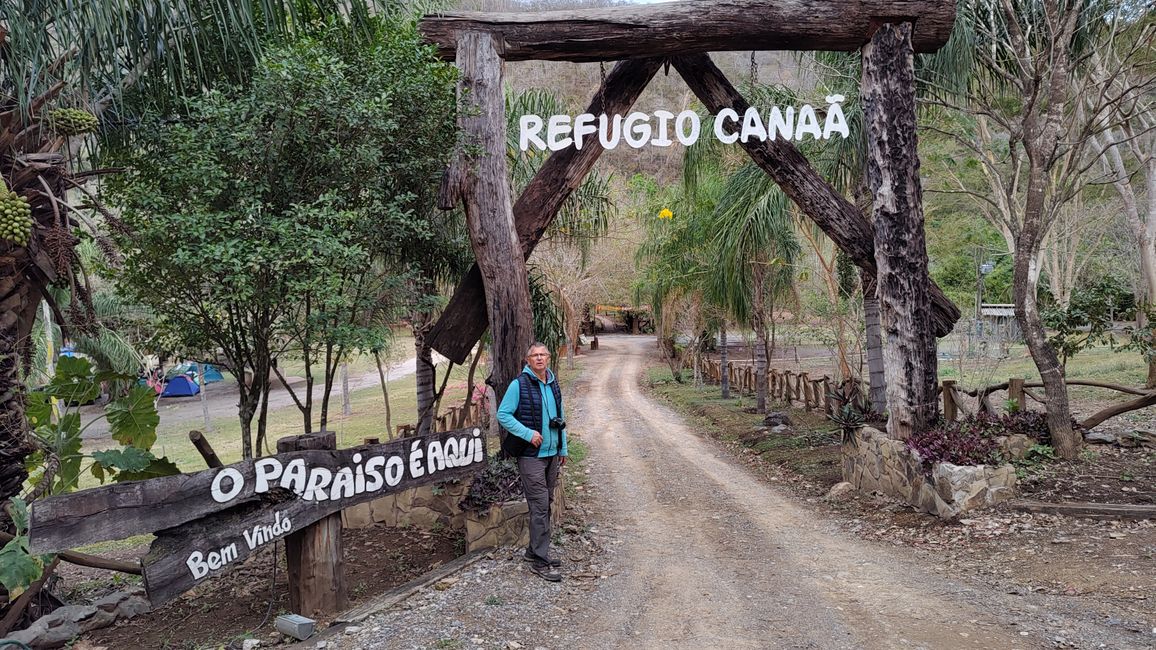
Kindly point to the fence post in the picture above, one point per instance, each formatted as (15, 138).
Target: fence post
(828, 405)
(313, 555)
(806, 390)
(1015, 392)
(206, 450)
(949, 409)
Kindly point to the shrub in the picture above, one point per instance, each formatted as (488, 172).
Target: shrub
(499, 482)
(971, 441)
(966, 442)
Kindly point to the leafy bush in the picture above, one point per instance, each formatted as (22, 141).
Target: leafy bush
(965, 442)
(499, 482)
(971, 441)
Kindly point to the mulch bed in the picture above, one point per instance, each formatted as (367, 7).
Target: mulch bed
(1103, 474)
(234, 606)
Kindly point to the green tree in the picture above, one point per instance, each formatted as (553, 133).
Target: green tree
(244, 235)
(102, 59)
(1025, 100)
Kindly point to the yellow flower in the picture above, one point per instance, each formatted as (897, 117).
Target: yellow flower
(665, 214)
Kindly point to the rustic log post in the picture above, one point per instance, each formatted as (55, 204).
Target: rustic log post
(839, 219)
(463, 321)
(799, 387)
(1015, 393)
(787, 386)
(314, 554)
(479, 177)
(806, 381)
(205, 449)
(632, 30)
(949, 408)
(816, 392)
(904, 287)
(828, 400)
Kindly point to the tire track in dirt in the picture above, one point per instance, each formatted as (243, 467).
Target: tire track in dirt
(712, 557)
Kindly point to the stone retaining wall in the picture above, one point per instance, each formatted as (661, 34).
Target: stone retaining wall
(431, 506)
(872, 462)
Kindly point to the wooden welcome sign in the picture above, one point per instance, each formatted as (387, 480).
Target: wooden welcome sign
(212, 520)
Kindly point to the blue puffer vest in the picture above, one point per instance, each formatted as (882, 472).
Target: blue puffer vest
(529, 413)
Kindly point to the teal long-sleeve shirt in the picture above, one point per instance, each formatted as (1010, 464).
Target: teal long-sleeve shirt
(509, 407)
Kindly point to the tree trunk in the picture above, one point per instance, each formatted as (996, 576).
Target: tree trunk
(1066, 440)
(463, 321)
(424, 376)
(759, 322)
(724, 376)
(385, 396)
(485, 190)
(261, 444)
(14, 443)
(327, 386)
(1041, 136)
(346, 406)
(904, 287)
(245, 413)
(470, 384)
(878, 385)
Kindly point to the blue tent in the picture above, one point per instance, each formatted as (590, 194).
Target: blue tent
(212, 375)
(180, 386)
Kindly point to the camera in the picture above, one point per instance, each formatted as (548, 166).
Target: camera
(557, 423)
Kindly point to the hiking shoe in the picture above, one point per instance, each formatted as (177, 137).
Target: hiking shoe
(546, 572)
(530, 557)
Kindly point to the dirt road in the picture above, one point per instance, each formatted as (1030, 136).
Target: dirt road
(719, 559)
(685, 548)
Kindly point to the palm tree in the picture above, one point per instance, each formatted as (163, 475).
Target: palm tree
(755, 246)
(101, 60)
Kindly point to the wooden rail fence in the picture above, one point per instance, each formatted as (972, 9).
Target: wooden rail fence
(786, 386)
(1019, 391)
(789, 386)
(455, 417)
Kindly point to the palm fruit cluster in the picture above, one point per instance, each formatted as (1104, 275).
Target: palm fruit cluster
(71, 121)
(15, 217)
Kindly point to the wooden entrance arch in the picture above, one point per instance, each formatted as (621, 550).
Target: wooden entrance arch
(889, 246)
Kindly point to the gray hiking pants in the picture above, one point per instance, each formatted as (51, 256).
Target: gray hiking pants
(538, 478)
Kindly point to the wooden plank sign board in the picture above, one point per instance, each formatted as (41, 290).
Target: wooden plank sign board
(211, 520)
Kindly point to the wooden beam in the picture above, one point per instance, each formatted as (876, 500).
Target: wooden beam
(237, 533)
(671, 29)
(903, 283)
(463, 321)
(485, 191)
(122, 510)
(205, 448)
(842, 222)
(91, 561)
(314, 557)
(1094, 510)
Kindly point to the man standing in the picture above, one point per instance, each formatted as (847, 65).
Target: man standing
(531, 414)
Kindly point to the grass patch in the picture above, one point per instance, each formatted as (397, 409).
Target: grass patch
(367, 419)
(807, 449)
(1097, 364)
